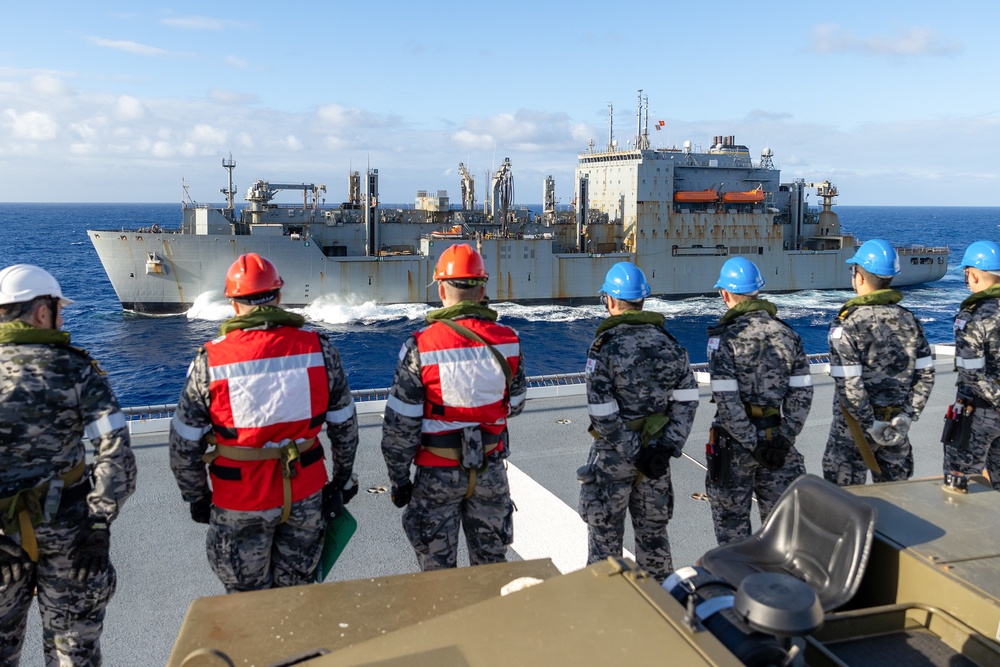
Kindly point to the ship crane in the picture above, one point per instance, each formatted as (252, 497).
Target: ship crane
(468, 188)
(262, 192)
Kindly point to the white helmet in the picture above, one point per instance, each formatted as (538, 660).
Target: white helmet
(23, 282)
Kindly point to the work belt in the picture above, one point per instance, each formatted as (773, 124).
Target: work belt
(32, 507)
(287, 454)
(449, 446)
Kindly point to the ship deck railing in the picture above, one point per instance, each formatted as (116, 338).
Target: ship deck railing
(370, 401)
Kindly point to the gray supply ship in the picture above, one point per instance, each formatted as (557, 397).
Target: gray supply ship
(678, 213)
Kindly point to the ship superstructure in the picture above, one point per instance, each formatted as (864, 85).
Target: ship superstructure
(678, 213)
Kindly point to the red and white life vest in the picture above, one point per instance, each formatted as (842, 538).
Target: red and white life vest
(267, 387)
(464, 384)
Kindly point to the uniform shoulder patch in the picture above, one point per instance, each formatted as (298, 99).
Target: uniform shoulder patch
(960, 324)
(591, 365)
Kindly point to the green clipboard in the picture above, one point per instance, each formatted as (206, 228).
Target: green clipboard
(338, 534)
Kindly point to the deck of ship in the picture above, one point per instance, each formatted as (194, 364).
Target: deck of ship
(160, 553)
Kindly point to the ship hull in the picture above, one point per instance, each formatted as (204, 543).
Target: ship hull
(186, 266)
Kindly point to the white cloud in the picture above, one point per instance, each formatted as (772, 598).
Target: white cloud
(79, 148)
(129, 108)
(206, 135)
(525, 130)
(913, 41)
(351, 117)
(227, 97)
(292, 143)
(32, 125)
(162, 149)
(128, 46)
(235, 62)
(48, 85)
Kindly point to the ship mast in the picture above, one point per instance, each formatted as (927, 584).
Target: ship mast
(642, 138)
(229, 165)
(611, 130)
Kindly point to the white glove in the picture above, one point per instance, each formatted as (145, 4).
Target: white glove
(898, 428)
(878, 432)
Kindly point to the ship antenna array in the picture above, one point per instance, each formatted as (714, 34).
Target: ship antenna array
(230, 192)
(642, 135)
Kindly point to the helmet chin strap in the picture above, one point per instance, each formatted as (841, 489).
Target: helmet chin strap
(54, 309)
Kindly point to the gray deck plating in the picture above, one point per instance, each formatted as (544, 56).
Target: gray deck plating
(160, 553)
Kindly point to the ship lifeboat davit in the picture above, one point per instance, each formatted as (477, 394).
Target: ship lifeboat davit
(696, 196)
(754, 196)
(454, 233)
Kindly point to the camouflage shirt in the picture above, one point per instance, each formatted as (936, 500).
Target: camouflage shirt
(636, 369)
(879, 356)
(756, 358)
(977, 347)
(403, 424)
(52, 396)
(193, 417)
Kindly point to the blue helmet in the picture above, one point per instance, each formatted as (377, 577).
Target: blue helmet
(982, 255)
(627, 282)
(740, 276)
(877, 257)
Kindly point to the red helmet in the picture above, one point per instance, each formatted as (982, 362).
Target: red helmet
(251, 274)
(460, 262)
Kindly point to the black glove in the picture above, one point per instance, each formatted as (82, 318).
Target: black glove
(653, 462)
(401, 494)
(92, 551)
(14, 561)
(201, 510)
(348, 485)
(771, 454)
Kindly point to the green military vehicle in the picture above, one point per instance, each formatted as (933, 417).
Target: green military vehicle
(904, 572)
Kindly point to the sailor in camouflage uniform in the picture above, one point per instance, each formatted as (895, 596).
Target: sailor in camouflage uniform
(55, 513)
(977, 357)
(883, 370)
(458, 380)
(763, 390)
(261, 393)
(642, 399)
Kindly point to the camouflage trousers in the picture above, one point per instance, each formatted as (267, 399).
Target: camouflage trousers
(983, 450)
(251, 551)
(439, 506)
(843, 465)
(72, 612)
(604, 501)
(731, 506)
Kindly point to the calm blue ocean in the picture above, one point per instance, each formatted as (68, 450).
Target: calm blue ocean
(146, 357)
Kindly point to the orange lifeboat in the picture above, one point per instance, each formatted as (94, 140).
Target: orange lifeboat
(696, 196)
(754, 196)
(454, 233)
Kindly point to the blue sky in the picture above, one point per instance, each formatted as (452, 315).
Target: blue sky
(896, 103)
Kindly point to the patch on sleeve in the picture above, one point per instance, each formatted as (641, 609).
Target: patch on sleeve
(836, 332)
(960, 324)
(591, 365)
(402, 351)
(713, 345)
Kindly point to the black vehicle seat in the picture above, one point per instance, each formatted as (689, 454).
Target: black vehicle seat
(817, 532)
